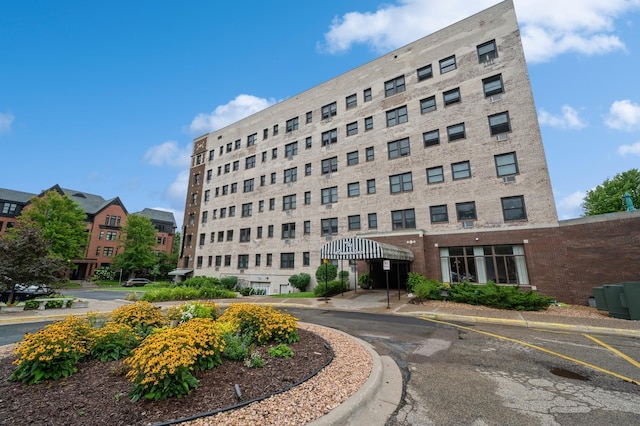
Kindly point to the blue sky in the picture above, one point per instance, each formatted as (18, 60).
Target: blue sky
(106, 97)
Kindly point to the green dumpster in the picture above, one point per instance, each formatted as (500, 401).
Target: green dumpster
(632, 296)
(601, 301)
(616, 301)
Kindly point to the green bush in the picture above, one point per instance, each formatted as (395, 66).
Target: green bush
(326, 272)
(281, 351)
(365, 280)
(343, 275)
(186, 293)
(300, 281)
(331, 288)
(235, 347)
(427, 289)
(198, 282)
(229, 283)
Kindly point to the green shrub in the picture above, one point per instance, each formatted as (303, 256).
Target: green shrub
(498, 296)
(331, 288)
(255, 361)
(428, 290)
(300, 281)
(343, 275)
(187, 293)
(281, 351)
(235, 347)
(198, 282)
(229, 283)
(112, 341)
(326, 272)
(365, 280)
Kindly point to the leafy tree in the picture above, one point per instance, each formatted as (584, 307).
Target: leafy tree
(608, 197)
(62, 222)
(25, 259)
(326, 272)
(138, 239)
(300, 281)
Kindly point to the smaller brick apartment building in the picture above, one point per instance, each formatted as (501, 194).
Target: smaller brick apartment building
(105, 219)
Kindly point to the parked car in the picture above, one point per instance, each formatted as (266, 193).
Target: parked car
(136, 282)
(23, 292)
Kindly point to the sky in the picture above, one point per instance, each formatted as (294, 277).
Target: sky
(107, 97)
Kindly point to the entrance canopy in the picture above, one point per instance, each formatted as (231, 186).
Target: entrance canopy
(362, 248)
(180, 271)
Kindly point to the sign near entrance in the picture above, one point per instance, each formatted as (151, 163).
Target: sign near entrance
(386, 265)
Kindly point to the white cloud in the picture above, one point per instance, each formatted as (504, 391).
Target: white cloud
(548, 27)
(6, 120)
(176, 193)
(633, 149)
(567, 120)
(169, 154)
(623, 115)
(240, 107)
(570, 207)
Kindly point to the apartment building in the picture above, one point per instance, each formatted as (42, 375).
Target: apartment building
(105, 218)
(439, 137)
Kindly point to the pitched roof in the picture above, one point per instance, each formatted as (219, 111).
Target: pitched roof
(158, 215)
(15, 196)
(90, 203)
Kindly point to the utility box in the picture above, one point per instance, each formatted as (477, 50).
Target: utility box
(616, 301)
(632, 297)
(601, 301)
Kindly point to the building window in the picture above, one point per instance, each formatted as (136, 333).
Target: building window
(223, 212)
(194, 199)
(451, 96)
(370, 154)
(258, 259)
(461, 170)
(288, 231)
(232, 211)
(251, 139)
(227, 168)
(196, 178)
(192, 220)
(209, 175)
(230, 235)
(330, 195)
(372, 219)
(287, 260)
(428, 104)
(513, 208)
(307, 169)
(308, 143)
(272, 203)
(111, 236)
(220, 236)
(425, 72)
(218, 261)
(292, 125)
(329, 226)
(448, 64)
(351, 101)
(499, 123)
(212, 155)
(401, 183)
(506, 164)
(205, 215)
(371, 186)
(236, 166)
(329, 165)
(207, 195)
(227, 260)
(250, 162)
(394, 86)
(212, 238)
(309, 117)
(307, 227)
(291, 149)
(403, 219)
(243, 261)
(264, 156)
(247, 209)
(219, 170)
(234, 187)
(352, 128)
(466, 211)
(245, 235)
(107, 251)
(456, 132)
(225, 189)
(274, 153)
(353, 189)
(487, 51)
(229, 147)
(98, 251)
(269, 259)
(354, 222)
(237, 144)
(291, 175)
(399, 148)
(367, 95)
(273, 178)
(306, 258)
(329, 137)
(270, 231)
(259, 232)
(368, 123)
(352, 158)
(260, 206)
(439, 214)
(435, 175)
(307, 197)
(397, 116)
(289, 202)
(493, 85)
(275, 129)
(248, 185)
(329, 111)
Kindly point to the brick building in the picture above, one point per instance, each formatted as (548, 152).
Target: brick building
(433, 149)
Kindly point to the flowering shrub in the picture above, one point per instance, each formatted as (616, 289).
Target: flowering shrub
(262, 323)
(142, 316)
(52, 352)
(162, 366)
(112, 341)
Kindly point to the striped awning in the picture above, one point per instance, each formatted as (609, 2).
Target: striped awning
(362, 248)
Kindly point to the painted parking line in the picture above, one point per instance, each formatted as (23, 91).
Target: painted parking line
(540, 348)
(614, 350)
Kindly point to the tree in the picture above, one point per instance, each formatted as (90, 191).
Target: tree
(25, 258)
(138, 240)
(608, 197)
(62, 222)
(300, 281)
(326, 272)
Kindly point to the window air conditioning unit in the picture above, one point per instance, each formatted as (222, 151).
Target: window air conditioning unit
(287, 241)
(509, 179)
(502, 137)
(329, 206)
(328, 238)
(467, 224)
(495, 98)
